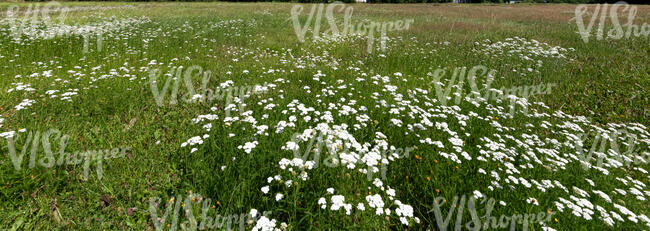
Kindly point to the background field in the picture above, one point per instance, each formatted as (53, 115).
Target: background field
(605, 81)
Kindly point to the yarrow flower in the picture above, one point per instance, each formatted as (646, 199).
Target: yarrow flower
(264, 224)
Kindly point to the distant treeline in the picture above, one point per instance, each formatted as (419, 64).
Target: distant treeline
(449, 1)
(391, 1)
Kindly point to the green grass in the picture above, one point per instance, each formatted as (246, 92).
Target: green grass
(605, 81)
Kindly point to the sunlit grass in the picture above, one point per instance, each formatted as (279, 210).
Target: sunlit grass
(605, 81)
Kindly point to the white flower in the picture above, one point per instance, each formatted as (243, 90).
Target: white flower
(265, 189)
(396, 122)
(278, 196)
(322, 202)
(337, 202)
(477, 194)
(404, 220)
(390, 192)
(193, 141)
(404, 210)
(291, 146)
(248, 146)
(532, 201)
(8, 134)
(377, 182)
(375, 201)
(455, 141)
(264, 224)
(24, 104)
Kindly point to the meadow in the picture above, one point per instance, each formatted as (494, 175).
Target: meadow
(256, 116)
